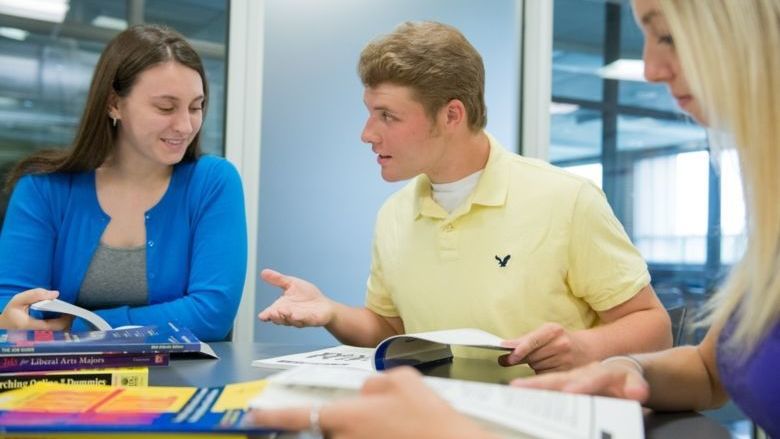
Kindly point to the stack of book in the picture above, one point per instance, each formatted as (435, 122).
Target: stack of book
(110, 369)
(119, 357)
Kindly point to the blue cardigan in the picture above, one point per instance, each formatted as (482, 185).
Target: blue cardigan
(195, 245)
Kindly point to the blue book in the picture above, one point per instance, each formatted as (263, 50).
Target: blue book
(155, 339)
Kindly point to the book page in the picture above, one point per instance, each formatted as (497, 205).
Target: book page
(617, 418)
(535, 413)
(409, 349)
(431, 347)
(307, 385)
(543, 413)
(461, 337)
(59, 306)
(339, 356)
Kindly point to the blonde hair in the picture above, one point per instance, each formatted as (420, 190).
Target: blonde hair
(436, 61)
(730, 53)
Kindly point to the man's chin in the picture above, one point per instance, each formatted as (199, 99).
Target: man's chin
(392, 178)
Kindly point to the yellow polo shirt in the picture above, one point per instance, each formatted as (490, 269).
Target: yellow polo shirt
(531, 244)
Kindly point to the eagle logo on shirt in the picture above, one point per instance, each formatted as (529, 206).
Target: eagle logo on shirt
(502, 261)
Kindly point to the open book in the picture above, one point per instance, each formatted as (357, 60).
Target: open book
(407, 349)
(59, 306)
(510, 411)
(135, 339)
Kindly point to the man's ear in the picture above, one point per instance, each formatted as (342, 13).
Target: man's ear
(454, 113)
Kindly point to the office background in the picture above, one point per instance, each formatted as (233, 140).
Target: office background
(563, 83)
(285, 71)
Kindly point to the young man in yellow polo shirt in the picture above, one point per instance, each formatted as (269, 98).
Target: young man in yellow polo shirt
(480, 237)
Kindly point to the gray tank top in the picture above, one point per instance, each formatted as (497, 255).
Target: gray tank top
(115, 277)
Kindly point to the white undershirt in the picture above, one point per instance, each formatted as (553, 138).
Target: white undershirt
(451, 195)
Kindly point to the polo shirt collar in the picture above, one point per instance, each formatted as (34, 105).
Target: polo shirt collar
(491, 189)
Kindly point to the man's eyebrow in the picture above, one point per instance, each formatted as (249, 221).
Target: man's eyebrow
(648, 17)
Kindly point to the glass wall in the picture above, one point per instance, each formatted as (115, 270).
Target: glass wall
(607, 123)
(48, 50)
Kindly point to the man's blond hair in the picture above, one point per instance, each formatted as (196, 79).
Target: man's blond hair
(433, 59)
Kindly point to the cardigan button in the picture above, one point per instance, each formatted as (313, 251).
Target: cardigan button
(151, 243)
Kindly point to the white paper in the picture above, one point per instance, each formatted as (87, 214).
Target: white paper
(56, 305)
(339, 356)
(528, 412)
(539, 413)
(306, 385)
(460, 337)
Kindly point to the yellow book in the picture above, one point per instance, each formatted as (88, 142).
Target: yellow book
(48, 410)
(125, 376)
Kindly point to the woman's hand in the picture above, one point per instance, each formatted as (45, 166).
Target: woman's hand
(393, 405)
(616, 377)
(16, 314)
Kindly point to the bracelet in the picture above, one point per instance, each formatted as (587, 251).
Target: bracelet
(637, 365)
(315, 431)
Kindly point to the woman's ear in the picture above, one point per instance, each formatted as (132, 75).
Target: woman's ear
(112, 106)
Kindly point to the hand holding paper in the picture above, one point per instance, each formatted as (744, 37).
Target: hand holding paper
(548, 348)
(365, 404)
(393, 405)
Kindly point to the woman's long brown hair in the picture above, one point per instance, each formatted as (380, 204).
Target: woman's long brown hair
(124, 58)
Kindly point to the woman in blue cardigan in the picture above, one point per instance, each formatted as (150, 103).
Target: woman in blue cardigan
(131, 221)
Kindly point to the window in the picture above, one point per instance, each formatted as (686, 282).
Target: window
(48, 54)
(681, 207)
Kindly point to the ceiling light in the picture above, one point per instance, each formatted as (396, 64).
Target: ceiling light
(558, 108)
(45, 10)
(624, 70)
(109, 22)
(13, 33)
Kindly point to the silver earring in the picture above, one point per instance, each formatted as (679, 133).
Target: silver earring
(113, 121)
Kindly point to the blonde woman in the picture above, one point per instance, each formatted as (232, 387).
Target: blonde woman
(729, 52)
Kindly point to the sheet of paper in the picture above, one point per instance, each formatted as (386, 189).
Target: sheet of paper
(540, 413)
(536, 413)
(463, 336)
(56, 305)
(339, 356)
